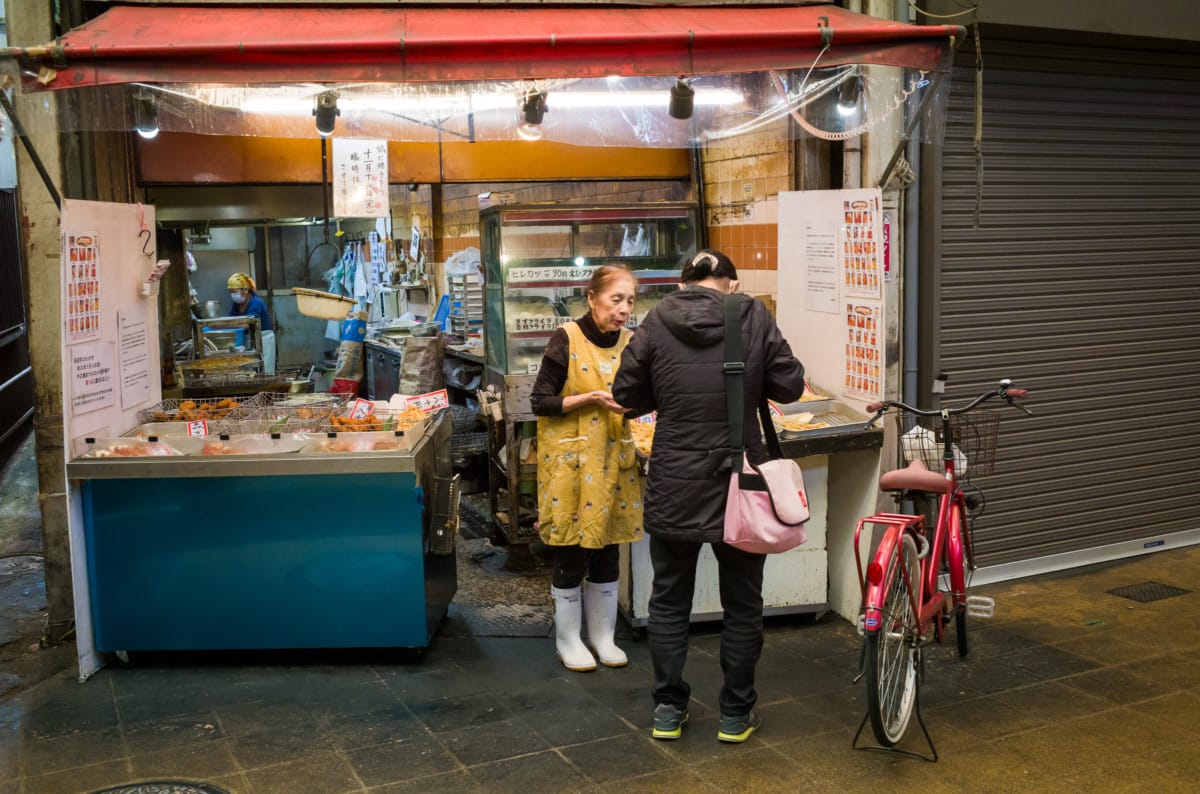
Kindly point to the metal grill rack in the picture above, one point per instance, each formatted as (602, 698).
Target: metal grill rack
(466, 305)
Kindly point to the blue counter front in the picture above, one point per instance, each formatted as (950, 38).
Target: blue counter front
(325, 559)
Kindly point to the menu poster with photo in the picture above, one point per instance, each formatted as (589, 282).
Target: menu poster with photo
(861, 247)
(360, 178)
(133, 354)
(864, 350)
(93, 377)
(81, 277)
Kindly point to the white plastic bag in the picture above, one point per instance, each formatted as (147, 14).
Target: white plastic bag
(920, 443)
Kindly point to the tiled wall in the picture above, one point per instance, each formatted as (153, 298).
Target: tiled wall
(742, 182)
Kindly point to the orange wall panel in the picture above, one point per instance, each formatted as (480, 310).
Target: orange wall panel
(184, 158)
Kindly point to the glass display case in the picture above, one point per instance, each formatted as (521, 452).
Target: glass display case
(538, 260)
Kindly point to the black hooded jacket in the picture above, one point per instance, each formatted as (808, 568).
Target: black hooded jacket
(673, 365)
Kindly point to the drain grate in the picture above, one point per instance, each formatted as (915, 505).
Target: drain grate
(165, 787)
(1148, 591)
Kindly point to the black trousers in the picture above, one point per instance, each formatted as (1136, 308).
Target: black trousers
(741, 578)
(572, 563)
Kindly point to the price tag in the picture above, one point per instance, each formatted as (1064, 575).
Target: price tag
(198, 428)
(647, 419)
(361, 409)
(433, 401)
(532, 369)
(773, 408)
(537, 323)
(519, 275)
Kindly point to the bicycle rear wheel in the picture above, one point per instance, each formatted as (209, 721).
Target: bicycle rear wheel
(891, 668)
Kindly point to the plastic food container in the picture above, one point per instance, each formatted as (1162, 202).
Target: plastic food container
(325, 305)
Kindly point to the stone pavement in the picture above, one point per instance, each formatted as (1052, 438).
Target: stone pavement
(1068, 688)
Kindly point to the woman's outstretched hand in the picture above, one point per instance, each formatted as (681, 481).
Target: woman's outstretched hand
(605, 400)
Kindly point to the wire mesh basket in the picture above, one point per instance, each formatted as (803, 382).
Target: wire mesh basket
(379, 419)
(972, 436)
(263, 427)
(314, 409)
(467, 443)
(191, 410)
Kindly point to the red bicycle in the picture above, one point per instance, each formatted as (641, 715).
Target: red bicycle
(904, 604)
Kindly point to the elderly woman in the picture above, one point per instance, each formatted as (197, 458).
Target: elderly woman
(675, 365)
(589, 500)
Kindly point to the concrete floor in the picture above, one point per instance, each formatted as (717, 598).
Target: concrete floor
(1068, 688)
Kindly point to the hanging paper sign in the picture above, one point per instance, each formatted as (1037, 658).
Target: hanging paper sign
(93, 377)
(414, 247)
(81, 276)
(198, 428)
(360, 178)
(433, 401)
(361, 409)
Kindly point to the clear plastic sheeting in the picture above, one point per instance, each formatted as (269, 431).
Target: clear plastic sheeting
(832, 103)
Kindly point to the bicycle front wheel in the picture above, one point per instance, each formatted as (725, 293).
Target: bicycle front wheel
(891, 669)
(959, 578)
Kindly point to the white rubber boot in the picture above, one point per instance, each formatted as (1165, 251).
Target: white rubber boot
(600, 607)
(568, 616)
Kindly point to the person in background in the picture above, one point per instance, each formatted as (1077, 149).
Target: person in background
(589, 499)
(246, 303)
(675, 365)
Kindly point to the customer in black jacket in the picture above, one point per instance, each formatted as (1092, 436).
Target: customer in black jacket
(673, 365)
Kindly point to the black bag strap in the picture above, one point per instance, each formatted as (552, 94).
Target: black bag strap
(735, 371)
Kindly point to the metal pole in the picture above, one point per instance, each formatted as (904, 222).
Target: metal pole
(33, 155)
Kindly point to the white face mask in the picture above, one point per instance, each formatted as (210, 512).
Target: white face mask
(238, 297)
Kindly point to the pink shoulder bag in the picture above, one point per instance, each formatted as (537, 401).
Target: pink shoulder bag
(767, 505)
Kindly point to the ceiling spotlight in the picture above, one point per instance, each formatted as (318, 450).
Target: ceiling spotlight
(849, 94)
(326, 112)
(683, 98)
(533, 110)
(145, 114)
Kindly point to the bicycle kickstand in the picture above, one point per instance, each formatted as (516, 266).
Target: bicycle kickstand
(898, 751)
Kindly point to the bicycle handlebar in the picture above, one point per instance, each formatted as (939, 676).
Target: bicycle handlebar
(1004, 391)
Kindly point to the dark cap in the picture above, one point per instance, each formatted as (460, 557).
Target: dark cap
(705, 264)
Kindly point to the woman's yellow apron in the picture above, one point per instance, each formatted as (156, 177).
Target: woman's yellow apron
(588, 490)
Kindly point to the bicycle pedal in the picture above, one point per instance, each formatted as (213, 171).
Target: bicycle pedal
(981, 606)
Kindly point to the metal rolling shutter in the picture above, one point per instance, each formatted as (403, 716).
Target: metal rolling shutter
(1082, 283)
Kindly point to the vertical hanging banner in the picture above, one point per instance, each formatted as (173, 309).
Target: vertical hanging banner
(360, 178)
(860, 232)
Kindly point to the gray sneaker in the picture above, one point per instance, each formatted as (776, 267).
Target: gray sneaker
(737, 729)
(668, 721)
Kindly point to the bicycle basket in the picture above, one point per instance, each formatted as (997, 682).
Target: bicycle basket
(972, 435)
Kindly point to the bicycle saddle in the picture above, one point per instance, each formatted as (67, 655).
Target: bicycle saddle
(914, 477)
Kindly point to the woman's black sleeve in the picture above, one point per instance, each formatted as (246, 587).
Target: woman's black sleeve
(546, 397)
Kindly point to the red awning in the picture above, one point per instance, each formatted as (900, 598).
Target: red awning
(174, 44)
